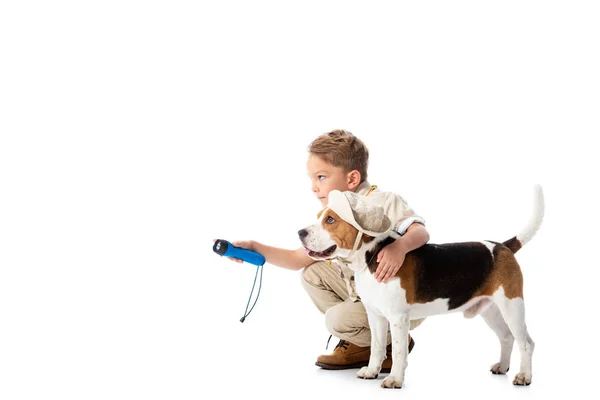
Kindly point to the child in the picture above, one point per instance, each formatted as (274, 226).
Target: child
(338, 161)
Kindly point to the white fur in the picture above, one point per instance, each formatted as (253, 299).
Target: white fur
(536, 219)
(493, 317)
(490, 247)
(513, 313)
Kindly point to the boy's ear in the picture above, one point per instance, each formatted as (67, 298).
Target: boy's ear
(353, 179)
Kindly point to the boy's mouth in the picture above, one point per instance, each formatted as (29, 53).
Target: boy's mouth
(320, 254)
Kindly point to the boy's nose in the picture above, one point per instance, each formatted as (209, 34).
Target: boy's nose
(302, 233)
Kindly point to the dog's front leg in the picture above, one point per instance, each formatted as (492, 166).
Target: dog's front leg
(399, 325)
(378, 325)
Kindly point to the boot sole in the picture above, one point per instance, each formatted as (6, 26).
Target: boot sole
(334, 367)
(340, 367)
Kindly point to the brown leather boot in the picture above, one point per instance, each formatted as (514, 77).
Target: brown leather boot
(347, 356)
(386, 366)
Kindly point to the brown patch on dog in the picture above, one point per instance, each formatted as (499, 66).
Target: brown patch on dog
(513, 244)
(407, 274)
(506, 273)
(340, 231)
(319, 214)
(366, 239)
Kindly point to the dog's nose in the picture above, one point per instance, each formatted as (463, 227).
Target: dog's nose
(302, 233)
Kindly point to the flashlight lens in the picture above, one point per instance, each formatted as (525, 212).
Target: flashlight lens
(220, 247)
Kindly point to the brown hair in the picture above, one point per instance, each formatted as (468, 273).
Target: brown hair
(342, 149)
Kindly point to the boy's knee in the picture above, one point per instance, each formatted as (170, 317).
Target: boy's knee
(308, 275)
(310, 280)
(332, 321)
(312, 275)
(336, 319)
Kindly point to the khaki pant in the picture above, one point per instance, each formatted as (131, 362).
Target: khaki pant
(345, 315)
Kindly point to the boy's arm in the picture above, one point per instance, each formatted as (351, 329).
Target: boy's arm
(391, 257)
(288, 259)
(416, 236)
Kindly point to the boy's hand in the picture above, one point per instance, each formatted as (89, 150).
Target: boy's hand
(390, 259)
(244, 244)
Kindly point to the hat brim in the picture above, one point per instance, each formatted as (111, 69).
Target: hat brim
(338, 203)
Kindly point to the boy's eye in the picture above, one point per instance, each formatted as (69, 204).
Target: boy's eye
(329, 220)
(321, 177)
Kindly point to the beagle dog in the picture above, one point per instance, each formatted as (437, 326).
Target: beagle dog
(475, 278)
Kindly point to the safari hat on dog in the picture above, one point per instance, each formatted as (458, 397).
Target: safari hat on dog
(359, 212)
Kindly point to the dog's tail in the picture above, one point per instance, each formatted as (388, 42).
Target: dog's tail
(516, 242)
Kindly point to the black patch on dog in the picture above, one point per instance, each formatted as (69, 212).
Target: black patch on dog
(453, 271)
(371, 256)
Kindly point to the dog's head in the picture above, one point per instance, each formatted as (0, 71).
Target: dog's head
(339, 224)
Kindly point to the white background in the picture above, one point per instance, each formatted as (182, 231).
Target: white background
(132, 133)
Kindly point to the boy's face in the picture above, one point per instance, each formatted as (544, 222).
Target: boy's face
(325, 178)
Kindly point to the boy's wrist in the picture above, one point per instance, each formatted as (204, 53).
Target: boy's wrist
(400, 245)
(253, 246)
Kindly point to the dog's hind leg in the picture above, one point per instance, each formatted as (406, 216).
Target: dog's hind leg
(493, 318)
(379, 328)
(513, 311)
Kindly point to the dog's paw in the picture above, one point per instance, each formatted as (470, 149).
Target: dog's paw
(499, 369)
(367, 373)
(522, 380)
(391, 382)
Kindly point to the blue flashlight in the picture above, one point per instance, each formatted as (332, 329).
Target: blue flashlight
(224, 248)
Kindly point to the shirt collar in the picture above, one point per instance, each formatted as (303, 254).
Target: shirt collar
(363, 188)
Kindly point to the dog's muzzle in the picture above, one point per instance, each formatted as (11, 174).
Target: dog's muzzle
(302, 234)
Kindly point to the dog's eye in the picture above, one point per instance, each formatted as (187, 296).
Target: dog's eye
(329, 220)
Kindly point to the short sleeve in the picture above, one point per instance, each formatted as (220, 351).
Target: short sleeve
(402, 215)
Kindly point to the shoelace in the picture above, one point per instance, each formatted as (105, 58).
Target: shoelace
(341, 343)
